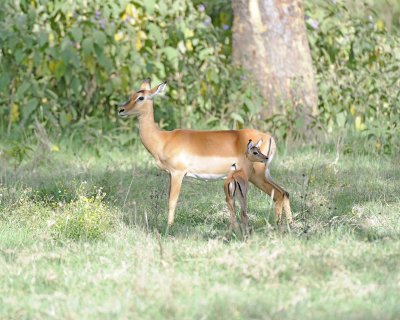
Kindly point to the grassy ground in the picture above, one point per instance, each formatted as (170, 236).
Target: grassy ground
(341, 259)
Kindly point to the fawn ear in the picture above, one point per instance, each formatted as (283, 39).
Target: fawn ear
(250, 145)
(259, 143)
(157, 90)
(146, 84)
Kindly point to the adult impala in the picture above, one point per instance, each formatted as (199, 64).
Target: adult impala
(200, 154)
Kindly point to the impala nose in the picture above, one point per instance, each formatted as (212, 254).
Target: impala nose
(121, 112)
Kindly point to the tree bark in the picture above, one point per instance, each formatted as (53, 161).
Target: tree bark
(270, 41)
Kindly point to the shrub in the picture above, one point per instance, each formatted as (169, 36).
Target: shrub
(22, 210)
(69, 62)
(86, 218)
(357, 62)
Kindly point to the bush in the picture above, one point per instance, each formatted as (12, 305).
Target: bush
(357, 62)
(18, 208)
(86, 218)
(69, 62)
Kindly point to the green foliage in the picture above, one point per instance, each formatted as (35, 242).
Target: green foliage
(22, 210)
(357, 62)
(69, 64)
(86, 218)
(66, 63)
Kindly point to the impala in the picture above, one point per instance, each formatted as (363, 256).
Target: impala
(200, 154)
(236, 184)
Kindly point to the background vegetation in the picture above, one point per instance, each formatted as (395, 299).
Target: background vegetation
(67, 65)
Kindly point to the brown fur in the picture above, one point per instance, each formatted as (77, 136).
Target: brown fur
(180, 152)
(236, 184)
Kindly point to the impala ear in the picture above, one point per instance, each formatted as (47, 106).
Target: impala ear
(259, 143)
(157, 90)
(146, 84)
(250, 145)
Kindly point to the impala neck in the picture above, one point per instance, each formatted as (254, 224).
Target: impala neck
(247, 167)
(149, 132)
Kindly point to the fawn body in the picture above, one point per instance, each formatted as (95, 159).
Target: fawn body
(236, 185)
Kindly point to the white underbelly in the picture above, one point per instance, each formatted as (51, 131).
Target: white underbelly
(206, 176)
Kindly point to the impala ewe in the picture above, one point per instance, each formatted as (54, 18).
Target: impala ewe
(200, 154)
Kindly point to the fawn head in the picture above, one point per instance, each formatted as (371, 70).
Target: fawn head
(138, 101)
(253, 152)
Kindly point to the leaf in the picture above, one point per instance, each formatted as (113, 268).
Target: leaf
(105, 62)
(69, 56)
(22, 89)
(237, 117)
(77, 34)
(160, 69)
(204, 53)
(155, 32)
(99, 38)
(341, 119)
(60, 70)
(150, 4)
(19, 55)
(171, 53)
(42, 38)
(29, 108)
(162, 8)
(360, 126)
(87, 46)
(75, 85)
(4, 81)
(250, 105)
(14, 113)
(118, 36)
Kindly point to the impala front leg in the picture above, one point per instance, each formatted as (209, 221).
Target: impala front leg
(174, 190)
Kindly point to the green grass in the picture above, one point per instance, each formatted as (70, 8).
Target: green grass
(341, 259)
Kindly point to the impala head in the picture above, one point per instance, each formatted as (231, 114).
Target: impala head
(138, 101)
(253, 152)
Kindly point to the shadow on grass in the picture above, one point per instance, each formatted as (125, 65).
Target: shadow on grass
(319, 193)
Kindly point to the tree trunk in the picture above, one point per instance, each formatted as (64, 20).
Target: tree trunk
(269, 40)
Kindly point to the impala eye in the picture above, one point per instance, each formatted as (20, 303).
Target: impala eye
(141, 98)
(255, 152)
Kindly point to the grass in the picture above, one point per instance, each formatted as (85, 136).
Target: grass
(341, 259)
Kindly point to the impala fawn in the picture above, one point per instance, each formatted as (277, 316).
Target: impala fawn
(236, 184)
(199, 154)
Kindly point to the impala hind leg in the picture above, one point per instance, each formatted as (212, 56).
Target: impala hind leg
(244, 222)
(229, 197)
(244, 218)
(174, 191)
(231, 207)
